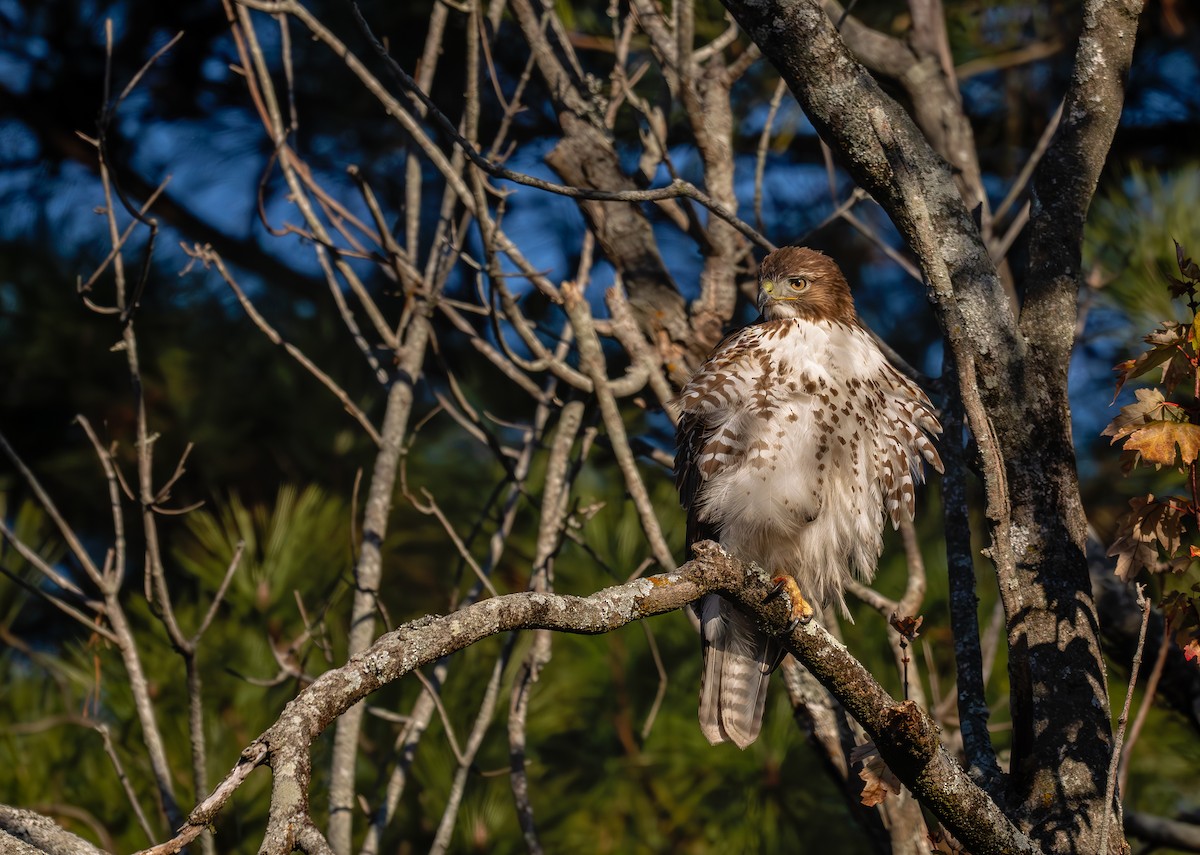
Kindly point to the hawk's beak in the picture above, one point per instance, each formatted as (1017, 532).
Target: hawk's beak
(767, 291)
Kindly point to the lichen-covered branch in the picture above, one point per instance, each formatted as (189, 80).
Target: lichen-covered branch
(906, 737)
(24, 832)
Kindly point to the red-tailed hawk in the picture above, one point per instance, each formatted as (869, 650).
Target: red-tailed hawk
(796, 440)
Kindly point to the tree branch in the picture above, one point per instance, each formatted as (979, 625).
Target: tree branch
(23, 831)
(1160, 831)
(906, 737)
(1066, 179)
(973, 709)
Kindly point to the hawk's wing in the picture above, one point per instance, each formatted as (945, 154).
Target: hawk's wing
(910, 418)
(692, 436)
(737, 658)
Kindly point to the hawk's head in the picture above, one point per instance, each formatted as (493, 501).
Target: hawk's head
(798, 282)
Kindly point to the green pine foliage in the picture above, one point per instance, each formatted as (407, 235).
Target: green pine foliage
(1127, 242)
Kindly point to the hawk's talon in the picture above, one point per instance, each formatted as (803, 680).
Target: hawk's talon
(802, 612)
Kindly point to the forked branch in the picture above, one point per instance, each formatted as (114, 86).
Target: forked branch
(906, 737)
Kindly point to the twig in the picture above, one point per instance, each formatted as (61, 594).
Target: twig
(123, 778)
(764, 144)
(592, 359)
(113, 579)
(999, 249)
(678, 189)
(436, 695)
(37, 590)
(1110, 785)
(483, 719)
(160, 600)
(1144, 710)
(1030, 165)
(432, 508)
(219, 596)
(890, 251)
(536, 659)
(661, 693)
(68, 533)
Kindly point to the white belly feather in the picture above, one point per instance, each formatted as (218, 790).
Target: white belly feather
(812, 438)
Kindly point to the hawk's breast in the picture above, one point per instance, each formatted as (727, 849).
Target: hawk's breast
(796, 447)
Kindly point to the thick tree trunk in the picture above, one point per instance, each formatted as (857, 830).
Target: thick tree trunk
(1012, 377)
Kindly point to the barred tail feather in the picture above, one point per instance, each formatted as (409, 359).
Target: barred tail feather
(738, 660)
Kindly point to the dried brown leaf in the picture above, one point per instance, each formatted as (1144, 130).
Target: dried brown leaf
(1179, 287)
(1149, 525)
(1165, 347)
(1161, 521)
(877, 778)
(1157, 442)
(1187, 267)
(1178, 369)
(908, 626)
(1182, 611)
(1179, 566)
(1132, 556)
(1149, 404)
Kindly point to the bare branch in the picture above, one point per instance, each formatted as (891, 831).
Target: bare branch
(1143, 711)
(432, 508)
(112, 580)
(368, 572)
(973, 709)
(126, 785)
(676, 190)
(219, 596)
(907, 739)
(1160, 831)
(68, 533)
(555, 493)
(764, 144)
(25, 832)
(483, 720)
(1111, 782)
(593, 362)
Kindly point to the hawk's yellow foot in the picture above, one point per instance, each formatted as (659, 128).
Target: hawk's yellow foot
(802, 612)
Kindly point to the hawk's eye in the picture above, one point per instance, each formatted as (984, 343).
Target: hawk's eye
(798, 283)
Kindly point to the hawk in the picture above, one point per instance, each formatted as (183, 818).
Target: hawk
(796, 440)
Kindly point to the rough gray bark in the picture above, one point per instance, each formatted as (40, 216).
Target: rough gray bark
(919, 66)
(1060, 720)
(23, 832)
